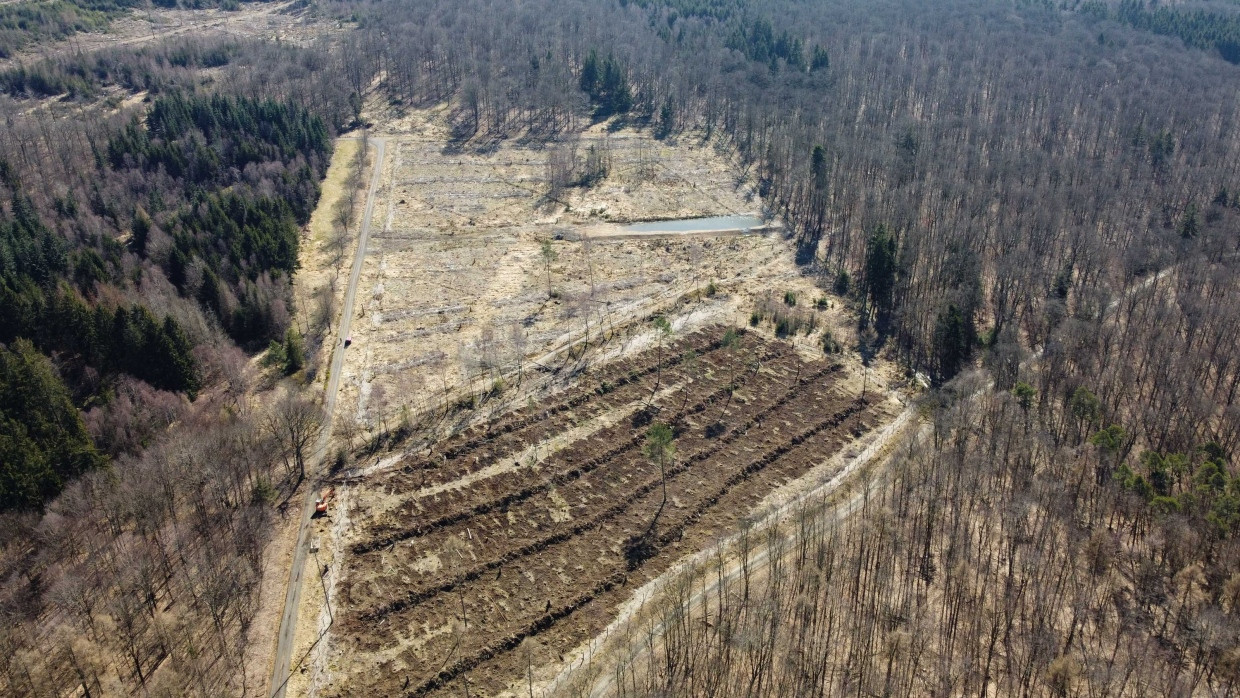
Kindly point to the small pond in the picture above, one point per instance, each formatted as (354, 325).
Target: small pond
(697, 225)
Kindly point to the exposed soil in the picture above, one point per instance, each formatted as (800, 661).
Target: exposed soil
(456, 289)
(441, 591)
(516, 519)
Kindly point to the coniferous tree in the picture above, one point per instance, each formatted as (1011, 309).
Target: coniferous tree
(821, 60)
(590, 73)
(953, 339)
(818, 167)
(880, 277)
(43, 443)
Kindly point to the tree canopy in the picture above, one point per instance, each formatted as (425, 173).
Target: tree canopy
(43, 443)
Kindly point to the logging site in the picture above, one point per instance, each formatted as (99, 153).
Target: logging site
(574, 403)
(619, 348)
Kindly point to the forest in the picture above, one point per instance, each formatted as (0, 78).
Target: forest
(213, 237)
(143, 251)
(1034, 204)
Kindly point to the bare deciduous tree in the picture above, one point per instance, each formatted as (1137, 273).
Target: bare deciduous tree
(294, 421)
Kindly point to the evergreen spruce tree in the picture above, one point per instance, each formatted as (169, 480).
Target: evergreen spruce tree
(880, 277)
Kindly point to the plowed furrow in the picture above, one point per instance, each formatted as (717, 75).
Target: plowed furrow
(507, 500)
(495, 649)
(620, 377)
(714, 447)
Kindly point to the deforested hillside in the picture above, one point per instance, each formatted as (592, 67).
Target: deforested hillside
(1044, 192)
(1042, 541)
(1008, 158)
(698, 347)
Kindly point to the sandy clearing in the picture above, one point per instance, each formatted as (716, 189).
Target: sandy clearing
(253, 20)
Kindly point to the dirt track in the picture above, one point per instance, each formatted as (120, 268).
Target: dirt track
(288, 618)
(443, 590)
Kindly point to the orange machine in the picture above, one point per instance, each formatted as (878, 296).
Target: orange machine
(320, 504)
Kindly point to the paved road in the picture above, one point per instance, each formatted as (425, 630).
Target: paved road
(288, 619)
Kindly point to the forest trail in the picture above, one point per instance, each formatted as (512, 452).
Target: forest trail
(288, 619)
